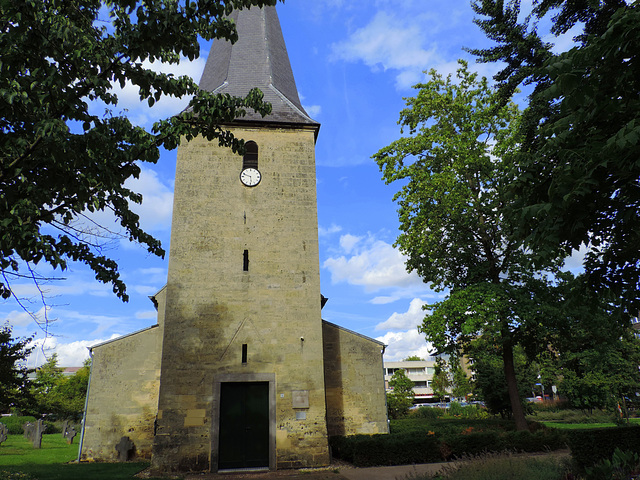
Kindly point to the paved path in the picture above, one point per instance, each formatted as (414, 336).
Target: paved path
(335, 472)
(347, 472)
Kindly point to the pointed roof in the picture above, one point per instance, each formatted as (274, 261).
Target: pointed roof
(258, 59)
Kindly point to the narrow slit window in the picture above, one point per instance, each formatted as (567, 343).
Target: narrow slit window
(245, 261)
(250, 159)
(244, 353)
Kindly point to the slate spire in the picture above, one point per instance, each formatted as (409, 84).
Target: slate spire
(258, 59)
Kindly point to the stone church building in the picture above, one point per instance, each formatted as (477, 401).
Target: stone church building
(240, 371)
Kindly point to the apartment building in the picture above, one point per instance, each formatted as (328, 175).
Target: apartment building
(419, 372)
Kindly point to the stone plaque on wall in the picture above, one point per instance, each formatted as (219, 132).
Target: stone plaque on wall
(300, 398)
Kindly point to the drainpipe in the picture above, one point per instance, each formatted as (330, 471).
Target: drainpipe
(384, 388)
(86, 402)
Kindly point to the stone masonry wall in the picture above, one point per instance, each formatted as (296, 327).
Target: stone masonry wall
(123, 395)
(356, 402)
(214, 306)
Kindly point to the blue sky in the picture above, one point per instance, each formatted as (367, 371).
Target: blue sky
(354, 61)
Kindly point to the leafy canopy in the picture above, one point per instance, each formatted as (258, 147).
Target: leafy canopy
(454, 167)
(62, 157)
(400, 400)
(13, 372)
(577, 174)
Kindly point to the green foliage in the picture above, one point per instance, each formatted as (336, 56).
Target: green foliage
(591, 446)
(60, 395)
(441, 380)
(413, 358)
(440, 441)
(489, 380)
(13, 374)
(622, 466)
(400, 400)
(374, 450)
(576, 174)
(14, 423)
(59, 55)
(461, 385)
(454, 165)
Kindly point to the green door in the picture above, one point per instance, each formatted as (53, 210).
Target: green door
(244, 425)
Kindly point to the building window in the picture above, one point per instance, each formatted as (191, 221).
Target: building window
(250, 159)
(244, 353)
(245, 261)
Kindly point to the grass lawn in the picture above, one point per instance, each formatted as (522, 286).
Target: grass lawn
(581, 426)
(51, 462)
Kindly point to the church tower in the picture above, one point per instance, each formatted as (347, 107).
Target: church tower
(242, 380)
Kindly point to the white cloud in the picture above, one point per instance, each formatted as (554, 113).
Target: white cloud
(374, 265)
(147, 315)
(157, 200)
(20, 318)
(326, 231)
(348, 242)
(313, 110)
(403, 321)
(404, 344)
(71, 354)
(384, 299)
(388, 42)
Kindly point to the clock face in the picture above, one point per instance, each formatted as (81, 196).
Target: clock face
(250, 177)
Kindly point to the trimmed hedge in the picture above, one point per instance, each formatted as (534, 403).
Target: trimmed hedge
(373, 450)
(419, 447)
(590, 446)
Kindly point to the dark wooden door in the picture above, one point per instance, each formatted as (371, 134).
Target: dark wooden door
(244, 425)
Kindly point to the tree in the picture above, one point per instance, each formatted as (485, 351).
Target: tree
(489, 380)
(441, 381)
(71, 392)
(460, 383)
(48, 376)
(13, 373)
(594, 349)
(400, 400)
(413, 358)
(63, 156)
(577, 172)
(453, 165)
(59, 394)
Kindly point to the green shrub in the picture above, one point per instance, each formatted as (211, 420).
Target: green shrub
(473, 443)
(428, 446)
(621, 467)
(372, 450)
(428, 412)
(15, 423)
(588, 447)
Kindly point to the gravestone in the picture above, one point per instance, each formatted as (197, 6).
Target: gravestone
(3, 432)
(34, 431)
(69, 434)
(124, 447)
(65, 427)
(28, 429)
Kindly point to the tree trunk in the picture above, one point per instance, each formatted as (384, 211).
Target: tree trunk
(512, 386)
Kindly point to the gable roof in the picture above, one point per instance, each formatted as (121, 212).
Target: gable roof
(258, 59)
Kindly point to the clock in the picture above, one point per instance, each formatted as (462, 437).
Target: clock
(250, 177)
